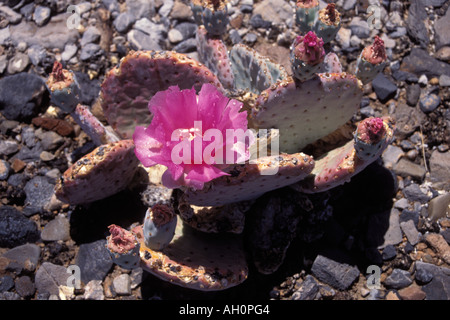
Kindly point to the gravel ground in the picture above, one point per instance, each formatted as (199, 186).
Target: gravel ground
(391, 220)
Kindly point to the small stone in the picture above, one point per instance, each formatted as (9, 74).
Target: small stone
(440, 169)
(141, 8)
(18, 165)
(37, 54)
(412, 94)
(338, 275)
(59, 126)
(166, 8)
(90, 51)
(401, 204)
(24, 286)
(6, 283)
(412, 293)
(389, 252)
(46, 156)
(393, 234)
(90, 35)
(49, 277)
(25, 256)
(136, 277)
(41, 15)
(438, 243)
(429, 102)
(18, 63)
(124, 21)
(15, 229)
(398, 279)
(5, 35)
(439, 207)
(12, 16)
(275, 11)
(384, 88)
(4, 170)
(439, 287)
(94, 290)
(391, 156)
(57, 229)
(39, 192)
(122, 284)
(414, 193)
(181, 11)
(420, 62)
(94, 261)
(423, 276)
(175, 36)
(8, 147)
(250, 38)
(186, 46)
(410, 231)
(360, 28)
(442, 30)
(307, 290)
(256, 21)
(444, 81)
(142, 41)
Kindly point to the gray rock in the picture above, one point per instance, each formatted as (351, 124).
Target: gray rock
(15, 229)
(349, 4)
(5, 35)
(412, 94)
(124, 21)
(401, 204)
(186, 46)
(360, 28)
(122, 284)
(94, 290)
(444, 80)
(440, 169)
(384, 88)
(4, 170)
(90, 51)
(24, 286)
(389, 252)
(442, 31)
(308, 289)
(111, 5)
(8, 147)
(9, 296)
(39, 192)
(21, 96)
(41, 15)
(57, 229)
(49, 277)
(181, 11)
(26, 256)
(142, 41)
(391, 156)
(6, 283)
(439, 207)
(393, 234)
(69, 52)
(187, 29)
(410, 231)
(338, 275)
(3, 63)
(166, 8)
(439, 286)
(136, 277)
(250, 38)
(154, 30)
(29, 154)
(50, 140)
(154, 194)
(407, 120)
(54, 34)
(276, 11)
(175, 36)
(141, 8)
(398, 279)
(414, 193)
(18, 63)
(12, 16)
(420, 62)
(37, 54)
(415, 23)
(406, 168)
(429, 102)
(90, 35)
(94, 261)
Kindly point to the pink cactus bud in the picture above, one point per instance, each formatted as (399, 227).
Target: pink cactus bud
(376, 52)
(121, 240)
(57, 71)
(309, 48)
(161, 214)
(307, 3)
(331, 12)
(371, 130)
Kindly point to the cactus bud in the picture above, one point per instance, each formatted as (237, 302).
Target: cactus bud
(64, 89)
(215, 17)
(123, 247)
(371, 61)
(328, 23)
(370, 135)
(159, 226)
(307, 53)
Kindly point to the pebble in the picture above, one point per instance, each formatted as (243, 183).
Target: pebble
(39, 192)
(360, 28)
(438, 243)
(41, 15)
(398, 279)
(37, 54)
(406, 168)
(94, 290)
(24, 286)
(181, 11)
(420, 62)
(111, 5)
(21, 95)
(417, 29)
(26, 256)
(5, 168)
(308, 289)
(175, 36)
(90, 35)
(94, 260)
(56, 229)
(384, 88)
(124, 21)
(338, 275)
(410, 231)
(90, 51)
(186, 46)
(439, 207)
(142, 41)
(412, 292)
(440, 169)
(187, 29)
(414, 193)
(15, 229)
(393, 234)
(50, 140)
(166, 8)
(250, 38)
(422, 275)
(429, 103)
(6, 283)
(18, 63)
(412, 94)
(49, 277)
(401, 204)
(8, 147)
(389, 252)
(439, 286)
(275, 11)
(122, 284)
(442, 30)
(256, 21)
(391, 156)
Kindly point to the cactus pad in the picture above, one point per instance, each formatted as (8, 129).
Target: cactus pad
(252, 71)
(214, 54)
(128, 87)
(249, 181)
(307, 111)
(339, 165)
(197, 260)
(103, 172)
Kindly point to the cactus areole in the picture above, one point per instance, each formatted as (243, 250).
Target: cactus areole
(121, 240)
(376, 52)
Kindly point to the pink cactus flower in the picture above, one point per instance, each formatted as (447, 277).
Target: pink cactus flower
(188, 135)
(309, 48)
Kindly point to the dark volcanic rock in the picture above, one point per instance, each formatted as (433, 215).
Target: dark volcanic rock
(420, 62)
(15, 229)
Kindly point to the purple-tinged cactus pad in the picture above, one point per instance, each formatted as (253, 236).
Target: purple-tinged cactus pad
(340, 165)
(197, 260)
(252, 71)
(103, 172)
(214, 54)
(249, 181)
(307, 111)
(127, 88)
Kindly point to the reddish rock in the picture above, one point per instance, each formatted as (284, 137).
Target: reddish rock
(59, 126)
(411, 293)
